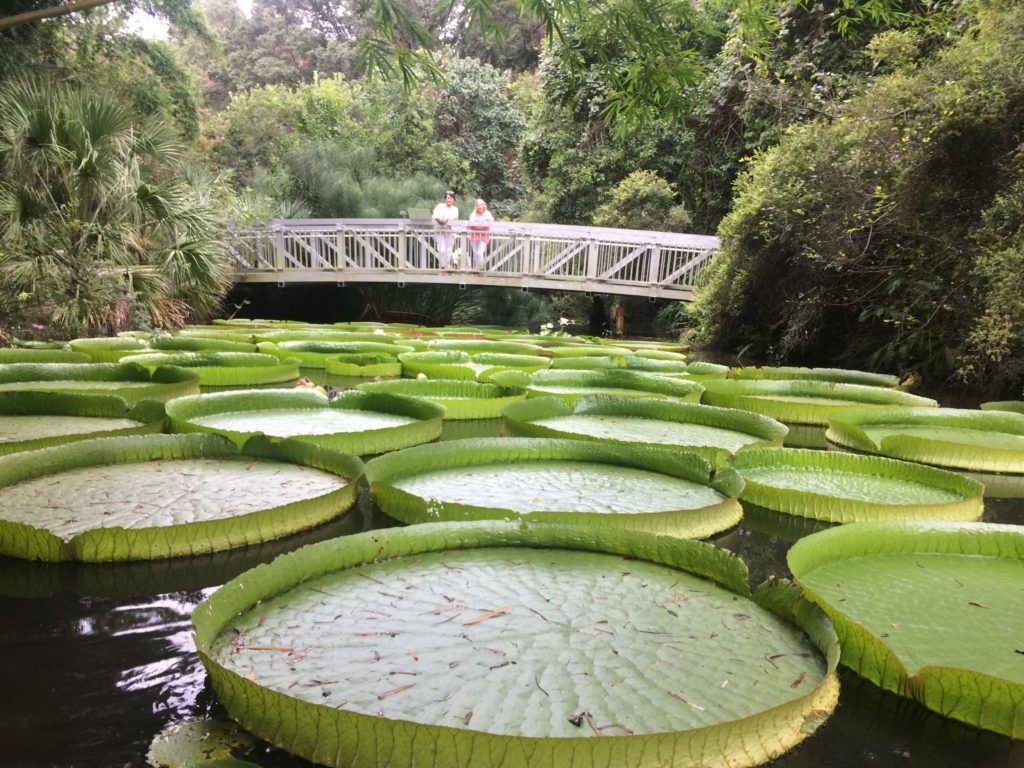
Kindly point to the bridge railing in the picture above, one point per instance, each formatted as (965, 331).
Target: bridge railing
(594, 259)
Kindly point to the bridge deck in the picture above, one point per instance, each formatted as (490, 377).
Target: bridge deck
(543, 256)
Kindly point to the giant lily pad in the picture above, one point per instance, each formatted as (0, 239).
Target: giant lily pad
(932, 611)
(804, 406)
(30, 355)
(572, 385)
(714, 433)
(133, 383)
(846, 488)
(315, 354)
(988, 445)
(154, 496)
(363, 365)
(196, 343)
(224, 369)
(357, 422)
(1014, 406)
(461, 399)
(30, 420)
(108, 349)
(576, 481)
(490, 645)
(696, 370)
(463, 366)
(838, 375)
(478, 346)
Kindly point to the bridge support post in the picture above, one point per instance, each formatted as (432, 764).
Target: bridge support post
(279, 257)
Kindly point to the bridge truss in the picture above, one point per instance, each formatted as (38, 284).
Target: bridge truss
(527, 256)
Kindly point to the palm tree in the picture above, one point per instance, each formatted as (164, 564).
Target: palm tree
(102, 224)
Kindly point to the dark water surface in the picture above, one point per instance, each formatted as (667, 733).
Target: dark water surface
(96, 660)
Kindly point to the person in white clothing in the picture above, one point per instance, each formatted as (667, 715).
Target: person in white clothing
(480, 221)
(444, 215)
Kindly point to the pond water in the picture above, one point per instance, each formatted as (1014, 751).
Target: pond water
(96, 660)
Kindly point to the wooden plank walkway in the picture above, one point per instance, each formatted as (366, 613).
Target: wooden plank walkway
(528, 256)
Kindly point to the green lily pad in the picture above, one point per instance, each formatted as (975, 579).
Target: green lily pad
(28, 355)
(132, 383)
(572, 385)
(31, 420)
(714, 433)
(588, 350)
(108, 350)
(197, 343)
(461, 399)
(154, 496)
(803, 402)
(839, 375)
(200, 743)
(573, 481)
(846, 488)
(364, 365)
(932, 611)
(511, 645)
(462, 366)
(315, 354)
(1014, 406)
(358, 422)
(696, 370)
(224, 369)
(478, 346)
(988, 445)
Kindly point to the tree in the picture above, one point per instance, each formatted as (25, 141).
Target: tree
(886, 236)
(643, 200)
(102, 227)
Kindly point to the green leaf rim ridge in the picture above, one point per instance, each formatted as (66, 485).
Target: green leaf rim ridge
(589, 350)
(29, 355)
(224, 369)
(1013, 406)
(104, 349)
(314, 354)
(164, 382)
(478, 346)
(337, 737)
(181, 413)
(979, 699)
(756, 396)
(449, 364)
(644, 384)
(846, 429)
(519, 419)
(180, 343)
(279, 335)
(149, 414)
(833, 509)
(121, 544)
(686, 523)
(838, 375)
(363, 365)
(461, 399)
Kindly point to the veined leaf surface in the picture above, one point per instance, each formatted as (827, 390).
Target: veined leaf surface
(154, 496)
(132, 383)
(222, 369)
(846, 488)
(461, 399)
(566, 480)
(841, 375)
(932, 611)
(505, 645)
(989, 444)
(572, 385)
(803, 402)
(357, 422)
(30, 420)
(715, 433)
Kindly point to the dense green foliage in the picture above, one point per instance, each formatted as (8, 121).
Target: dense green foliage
(890, 233)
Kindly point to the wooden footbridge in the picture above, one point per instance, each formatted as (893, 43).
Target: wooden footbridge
(660, 265)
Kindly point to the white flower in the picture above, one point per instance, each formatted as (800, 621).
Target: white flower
(563, 321)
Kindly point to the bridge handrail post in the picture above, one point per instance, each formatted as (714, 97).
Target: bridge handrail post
(592, 252)
(279, 252)
(654, 276)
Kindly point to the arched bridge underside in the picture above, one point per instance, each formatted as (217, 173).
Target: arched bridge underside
(660, 265)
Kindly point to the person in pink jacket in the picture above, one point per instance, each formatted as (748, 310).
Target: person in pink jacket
(480, 232)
